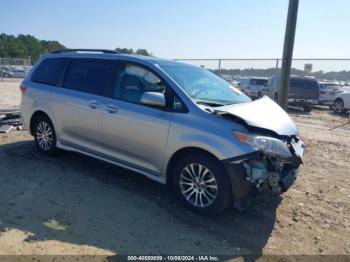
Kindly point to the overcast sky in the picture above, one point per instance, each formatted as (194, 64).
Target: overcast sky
(184, 28)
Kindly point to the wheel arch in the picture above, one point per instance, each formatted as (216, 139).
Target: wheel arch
(34, 117)
(181, 153)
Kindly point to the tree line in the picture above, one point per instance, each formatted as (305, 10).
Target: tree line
(25, 46)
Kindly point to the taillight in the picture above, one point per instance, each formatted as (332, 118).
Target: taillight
(22, 88)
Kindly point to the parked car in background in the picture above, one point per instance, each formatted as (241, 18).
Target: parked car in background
(303, 91)
(19, 73)
(5, 72)
(175, 123)
(13, 72)
(328, 92)
(342, 103)
(254, 87)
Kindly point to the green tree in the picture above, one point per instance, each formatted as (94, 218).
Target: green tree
(125, 50)
(24, 46)
(143, 52)
(130, 51)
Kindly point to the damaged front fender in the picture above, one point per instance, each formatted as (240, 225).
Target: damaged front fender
(259, 171)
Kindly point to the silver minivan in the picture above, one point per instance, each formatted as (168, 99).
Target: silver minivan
(175, 123)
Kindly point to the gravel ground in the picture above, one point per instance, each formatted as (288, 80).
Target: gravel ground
(9, 93)
(73, 204)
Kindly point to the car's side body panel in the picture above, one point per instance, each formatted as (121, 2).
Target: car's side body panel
(346, 98)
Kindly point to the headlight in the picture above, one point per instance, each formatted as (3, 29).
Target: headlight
(267, 144)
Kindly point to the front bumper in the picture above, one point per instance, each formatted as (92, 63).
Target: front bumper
(288, 178)
(260, 172)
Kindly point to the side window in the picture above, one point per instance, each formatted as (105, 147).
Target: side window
(134, 81)
(95, 76)
(49, 71)
(297, 83)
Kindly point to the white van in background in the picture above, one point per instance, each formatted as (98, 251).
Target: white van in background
(254, 87)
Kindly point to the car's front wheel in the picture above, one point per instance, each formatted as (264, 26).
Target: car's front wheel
(45, 136)
(338, 106)
(201, 184)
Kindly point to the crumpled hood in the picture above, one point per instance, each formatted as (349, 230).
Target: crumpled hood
(263, 113)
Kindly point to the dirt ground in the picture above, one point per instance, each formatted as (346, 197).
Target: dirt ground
(73, 204)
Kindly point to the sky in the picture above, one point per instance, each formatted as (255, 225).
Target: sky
(185, 28)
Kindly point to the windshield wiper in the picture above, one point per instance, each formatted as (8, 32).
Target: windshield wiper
(233, 103)
(213, 104)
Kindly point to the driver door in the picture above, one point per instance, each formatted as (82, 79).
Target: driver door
(134, 134)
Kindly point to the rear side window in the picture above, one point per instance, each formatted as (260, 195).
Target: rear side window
(49, 71)
(95, 76)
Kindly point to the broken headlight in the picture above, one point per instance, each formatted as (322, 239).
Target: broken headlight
(269, 145)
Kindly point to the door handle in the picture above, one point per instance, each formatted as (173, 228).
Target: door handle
(94, 104)
(112, 109)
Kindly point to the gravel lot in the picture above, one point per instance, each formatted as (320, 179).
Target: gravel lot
(72, 204)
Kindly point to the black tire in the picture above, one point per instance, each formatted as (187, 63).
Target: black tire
(338, 106)
(48, 148)
(307, 108)
(223, 193)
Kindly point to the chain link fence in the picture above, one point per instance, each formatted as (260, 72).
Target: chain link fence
(322, 69)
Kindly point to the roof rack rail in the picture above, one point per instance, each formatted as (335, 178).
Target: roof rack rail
(105, 51)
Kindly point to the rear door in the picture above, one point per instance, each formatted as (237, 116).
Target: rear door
(77, 105)
(134, 134)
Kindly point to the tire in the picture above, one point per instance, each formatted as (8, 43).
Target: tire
(338, 106)
(210, 198)
(307, 109)
(45, 136)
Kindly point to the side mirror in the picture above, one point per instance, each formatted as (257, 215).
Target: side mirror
(153, 99)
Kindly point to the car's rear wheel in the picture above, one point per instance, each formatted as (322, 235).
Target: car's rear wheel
(201, 184)
(45, 136)
(338, 106)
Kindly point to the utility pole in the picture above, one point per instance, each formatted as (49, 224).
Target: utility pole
(288, 52)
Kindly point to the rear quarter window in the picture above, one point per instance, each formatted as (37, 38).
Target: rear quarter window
(49, 71)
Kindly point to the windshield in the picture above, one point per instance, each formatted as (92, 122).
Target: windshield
(204, 86)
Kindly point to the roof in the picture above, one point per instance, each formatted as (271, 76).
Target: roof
(101, 53)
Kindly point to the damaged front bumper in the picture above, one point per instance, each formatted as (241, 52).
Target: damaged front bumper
(261, 171)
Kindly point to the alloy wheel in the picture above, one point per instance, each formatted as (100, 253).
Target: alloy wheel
(44, 136)
(198, 185)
